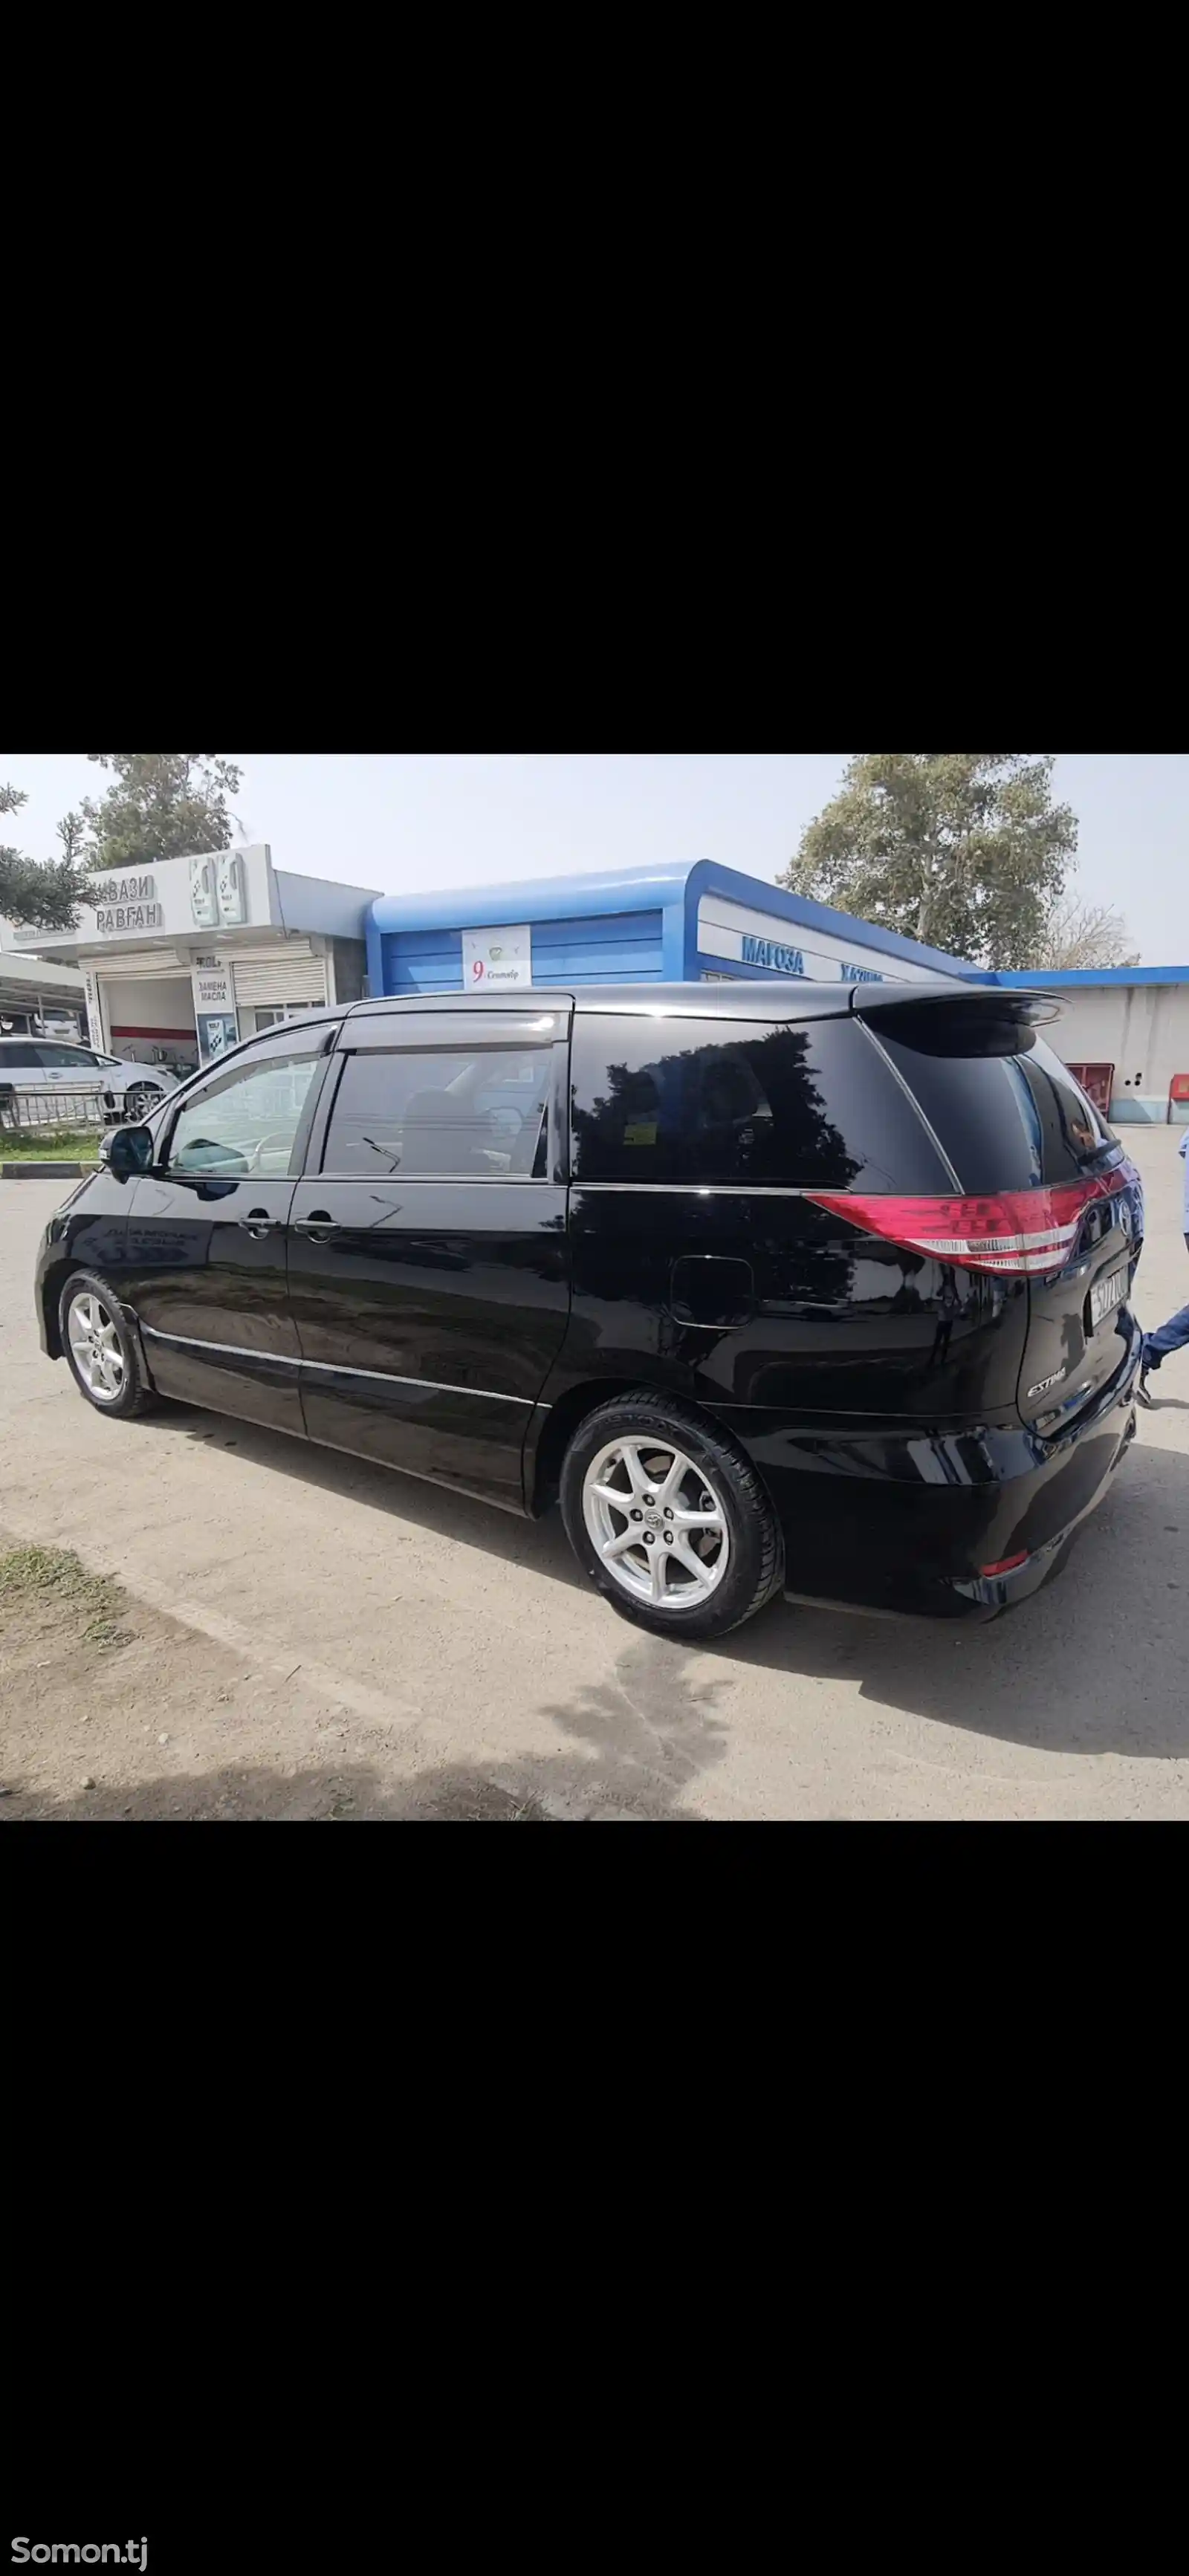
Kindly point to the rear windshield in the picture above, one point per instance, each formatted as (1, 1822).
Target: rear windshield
(814, 1105)
(1007, 1122)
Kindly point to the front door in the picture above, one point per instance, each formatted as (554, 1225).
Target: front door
(205, 1262)
(428, 1265)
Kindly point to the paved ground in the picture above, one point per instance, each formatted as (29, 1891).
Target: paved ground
(318, 1638)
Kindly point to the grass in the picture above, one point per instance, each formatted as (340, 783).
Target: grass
(58, 1578)
(49, 1144)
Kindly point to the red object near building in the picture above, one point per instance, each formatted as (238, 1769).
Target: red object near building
(1098, 1082)
(1178, 1088)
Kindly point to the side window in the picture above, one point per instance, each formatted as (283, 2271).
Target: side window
(438, 1116)
(63, 1059)
(17, 1059)
(724, 1102)
(245, 1121)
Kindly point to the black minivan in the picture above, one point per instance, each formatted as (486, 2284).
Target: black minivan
(819, 1290)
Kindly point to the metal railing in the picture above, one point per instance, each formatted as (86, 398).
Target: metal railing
(51, 1109)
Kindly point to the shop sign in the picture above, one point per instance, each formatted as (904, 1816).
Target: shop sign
(94, 1018)
(215, 891)
(495, 961)
(126, 903)
(216, 1033)
(772, 953)
(211, 979)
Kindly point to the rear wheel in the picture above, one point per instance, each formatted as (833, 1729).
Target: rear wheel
(101, 1348)
(669, 1519)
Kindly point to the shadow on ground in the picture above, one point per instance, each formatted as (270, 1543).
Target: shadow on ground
(435, 1508)
(640, 1739)
(1096, 1663)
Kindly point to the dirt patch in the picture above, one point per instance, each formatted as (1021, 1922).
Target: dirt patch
(110, 1710)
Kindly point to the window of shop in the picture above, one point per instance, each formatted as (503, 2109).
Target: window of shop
(269, 1015)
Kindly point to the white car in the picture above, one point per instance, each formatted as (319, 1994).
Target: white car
(45, 1065)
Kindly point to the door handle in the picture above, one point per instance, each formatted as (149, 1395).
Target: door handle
(258, 1223)
(317, 1225)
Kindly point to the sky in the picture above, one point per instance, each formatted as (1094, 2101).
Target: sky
(403, 821)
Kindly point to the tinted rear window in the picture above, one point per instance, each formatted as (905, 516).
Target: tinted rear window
(1007, 1122)
(714, 1102)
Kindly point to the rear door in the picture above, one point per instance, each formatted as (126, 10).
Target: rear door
(1019, 1122)
(428, 1265)
(206, 1242)
(702, 1260)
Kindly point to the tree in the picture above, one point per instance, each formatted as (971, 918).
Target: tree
(1083, 934)
(964, 850)
(42, 895)
(160, 805)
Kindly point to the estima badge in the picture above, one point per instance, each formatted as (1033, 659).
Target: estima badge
(1044, 1383)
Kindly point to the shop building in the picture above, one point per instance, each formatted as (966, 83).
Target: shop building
(182, 958)
(675, 923)
(1124, 1031)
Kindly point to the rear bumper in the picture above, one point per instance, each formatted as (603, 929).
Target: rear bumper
(899, 1523)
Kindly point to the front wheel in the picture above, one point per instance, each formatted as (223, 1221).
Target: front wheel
(100, 1348)
(669, 1519)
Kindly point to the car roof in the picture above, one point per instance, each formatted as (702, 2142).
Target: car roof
(736, 1000)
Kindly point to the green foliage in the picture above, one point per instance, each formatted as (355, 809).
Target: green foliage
(48, 1144)
(160, 805)
(964, 850)
(45, 896)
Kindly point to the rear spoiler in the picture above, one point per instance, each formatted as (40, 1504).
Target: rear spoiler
(956, 1019)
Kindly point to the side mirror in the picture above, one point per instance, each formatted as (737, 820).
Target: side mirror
(127, 1150)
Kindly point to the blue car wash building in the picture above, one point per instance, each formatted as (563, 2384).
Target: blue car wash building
(678, 922)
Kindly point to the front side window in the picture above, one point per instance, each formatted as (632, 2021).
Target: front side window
(244, 1121)
(439, 1116)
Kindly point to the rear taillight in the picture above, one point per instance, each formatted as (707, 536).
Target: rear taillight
(1022, 1233)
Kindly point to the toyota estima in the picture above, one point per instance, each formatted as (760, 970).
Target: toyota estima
(819, 1290)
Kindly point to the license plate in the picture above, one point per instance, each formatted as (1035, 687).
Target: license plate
(1105, 1295)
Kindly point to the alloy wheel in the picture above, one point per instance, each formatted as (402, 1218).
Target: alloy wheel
(95, 1346)
(656, 1523)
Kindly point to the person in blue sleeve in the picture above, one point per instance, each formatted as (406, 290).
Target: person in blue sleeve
(1173, 1336)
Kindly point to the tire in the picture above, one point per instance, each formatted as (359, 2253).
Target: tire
(140, 1102)
(100, 1324)
(723, 1562)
